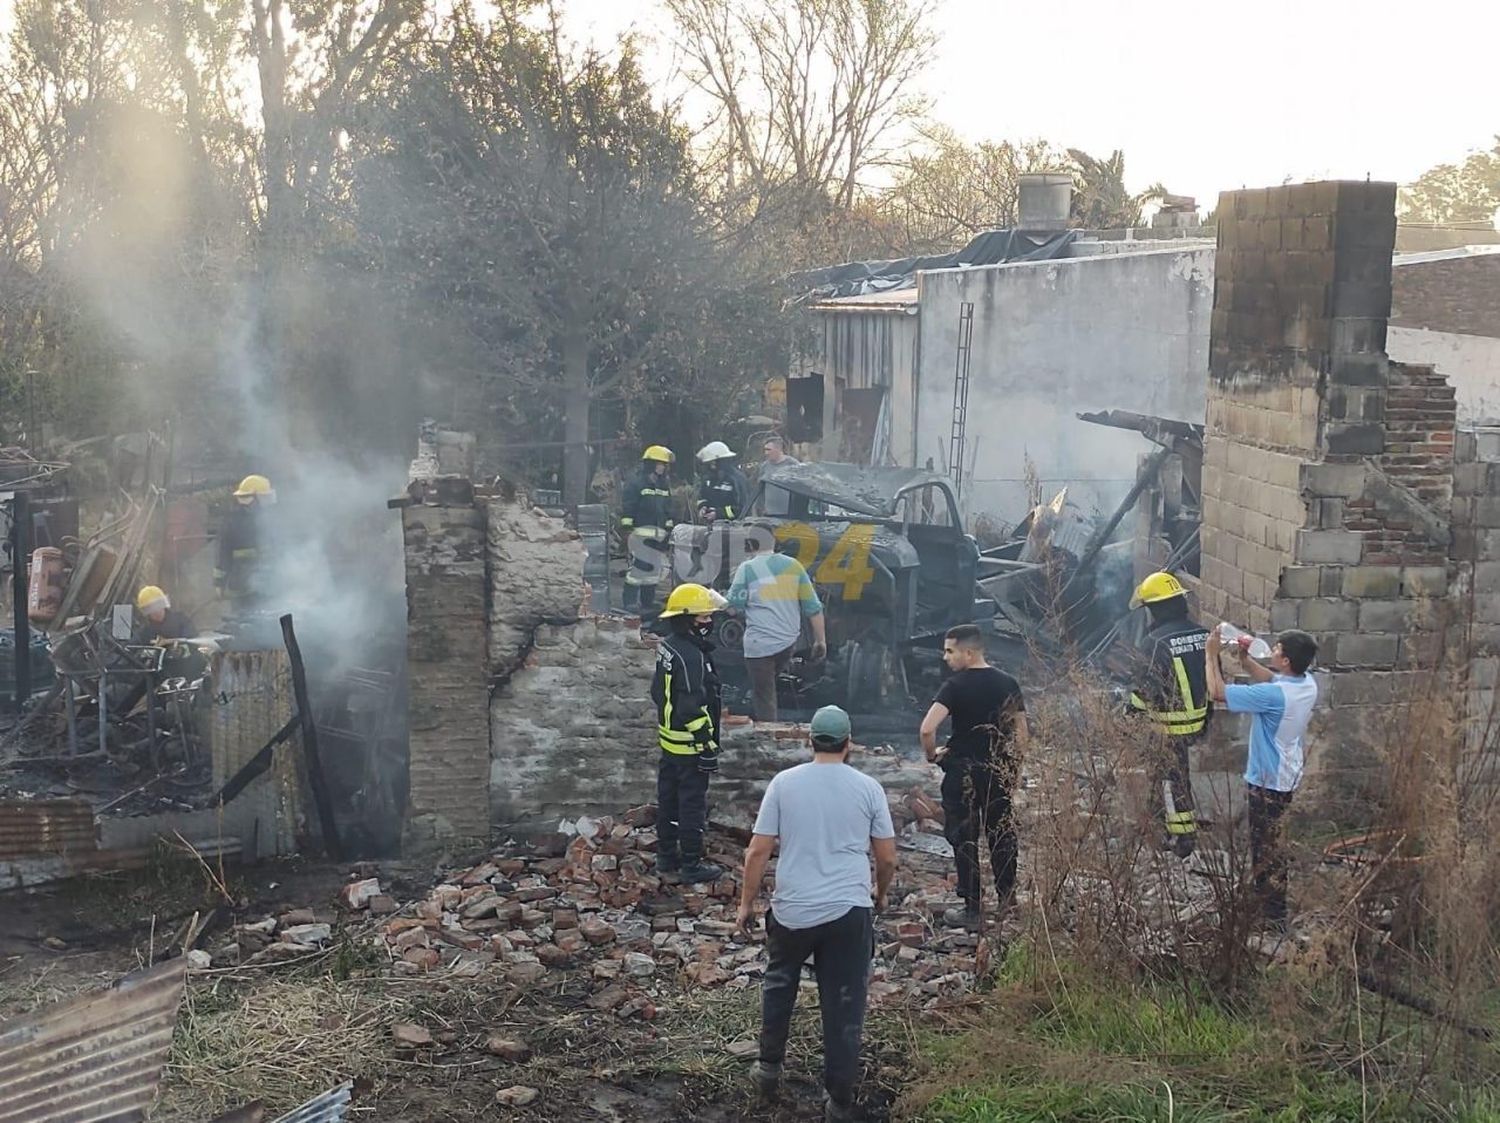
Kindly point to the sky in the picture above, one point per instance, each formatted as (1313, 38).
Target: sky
(1201, 96)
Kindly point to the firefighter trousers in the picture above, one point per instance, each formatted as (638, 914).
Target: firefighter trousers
(681, 807)
(1172, 792)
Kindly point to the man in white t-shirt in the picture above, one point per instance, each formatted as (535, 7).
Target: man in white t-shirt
(1281, 698)
(827, 817)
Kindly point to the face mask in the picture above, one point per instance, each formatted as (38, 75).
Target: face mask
(703, 631)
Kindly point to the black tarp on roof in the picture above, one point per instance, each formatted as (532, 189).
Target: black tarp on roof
(993, 247)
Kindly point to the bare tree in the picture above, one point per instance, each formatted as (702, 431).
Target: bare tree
(809, 95)
(949, 190)
(309, 90)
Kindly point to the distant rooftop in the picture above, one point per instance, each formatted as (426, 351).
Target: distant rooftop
(1456, 254)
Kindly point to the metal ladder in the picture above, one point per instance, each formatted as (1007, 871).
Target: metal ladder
(961, 395)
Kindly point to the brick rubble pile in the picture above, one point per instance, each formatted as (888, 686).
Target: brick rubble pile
(599, 911)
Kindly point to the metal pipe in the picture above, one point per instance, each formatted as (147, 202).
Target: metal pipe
(72, 716)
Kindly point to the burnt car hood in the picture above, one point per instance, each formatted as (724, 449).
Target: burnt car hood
(855, 488)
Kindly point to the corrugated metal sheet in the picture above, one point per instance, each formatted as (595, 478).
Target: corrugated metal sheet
(95, 1059)
(330, 1107)
(33, 827)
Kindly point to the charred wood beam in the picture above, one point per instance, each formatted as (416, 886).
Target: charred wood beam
(256, 765)
(1102, 536)
(322, 796)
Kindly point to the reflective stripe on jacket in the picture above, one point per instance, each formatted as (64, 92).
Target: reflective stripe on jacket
(686, 691)
(1174, 693)
(647, 505)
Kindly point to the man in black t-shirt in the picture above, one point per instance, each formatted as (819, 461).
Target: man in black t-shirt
(980, 764)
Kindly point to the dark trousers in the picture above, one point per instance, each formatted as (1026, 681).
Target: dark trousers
(841, 951)
(762, 671)
(681, 808)
(1268, 862)
(976, 800)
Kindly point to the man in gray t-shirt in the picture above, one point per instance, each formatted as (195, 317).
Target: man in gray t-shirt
(827, 817)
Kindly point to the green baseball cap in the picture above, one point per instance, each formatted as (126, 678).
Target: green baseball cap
(831, 725)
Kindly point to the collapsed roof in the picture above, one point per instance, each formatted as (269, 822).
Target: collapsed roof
(875, 492)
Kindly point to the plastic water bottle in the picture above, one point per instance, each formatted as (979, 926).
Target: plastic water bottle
(1258, 648)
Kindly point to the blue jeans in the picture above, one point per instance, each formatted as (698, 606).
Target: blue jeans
(842, 950)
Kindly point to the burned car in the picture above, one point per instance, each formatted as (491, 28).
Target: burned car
(892, 564)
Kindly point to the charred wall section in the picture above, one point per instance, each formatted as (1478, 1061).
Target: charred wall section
(1333, 499)
(527, 708)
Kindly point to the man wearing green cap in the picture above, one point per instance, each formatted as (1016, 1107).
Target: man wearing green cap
(827, 817)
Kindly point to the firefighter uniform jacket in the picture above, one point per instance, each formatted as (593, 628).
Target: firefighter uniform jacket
(648, 504)
(1172, 686)
(726, 492)
(686, 690)
(241, 549)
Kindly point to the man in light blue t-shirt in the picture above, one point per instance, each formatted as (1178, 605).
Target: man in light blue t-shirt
(775, 594)
(1281, 700)
(827, 817)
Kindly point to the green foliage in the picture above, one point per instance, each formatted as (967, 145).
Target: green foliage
(1100, 198)
(552, 235)
(1055, 1042)
(1456, 193)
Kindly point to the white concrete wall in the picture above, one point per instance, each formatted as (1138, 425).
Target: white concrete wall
(1471, 362)
(1051, 339)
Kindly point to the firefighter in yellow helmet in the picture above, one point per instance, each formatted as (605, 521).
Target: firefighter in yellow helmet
(686, 689)
(647, 519)
(159, 620)
(243, 541)
(1170, 689)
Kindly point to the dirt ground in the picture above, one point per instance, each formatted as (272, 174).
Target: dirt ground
(285, 1032)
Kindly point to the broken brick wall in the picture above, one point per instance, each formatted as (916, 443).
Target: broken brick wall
(1329, 470)
(526, 708)
(572, 725)
(447, 663)
(1476, 594)
(573, 731)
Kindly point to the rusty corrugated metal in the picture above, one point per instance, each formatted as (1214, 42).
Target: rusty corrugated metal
(330, 1107)
(94, 1059)
(32, 827)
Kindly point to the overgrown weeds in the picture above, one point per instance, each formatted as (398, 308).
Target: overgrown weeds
(1143, 987)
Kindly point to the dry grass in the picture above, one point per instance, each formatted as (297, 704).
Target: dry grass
(278, 1040)
(1387, 1006)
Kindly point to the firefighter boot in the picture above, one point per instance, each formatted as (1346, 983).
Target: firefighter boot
(668, 864)
(696, 871)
